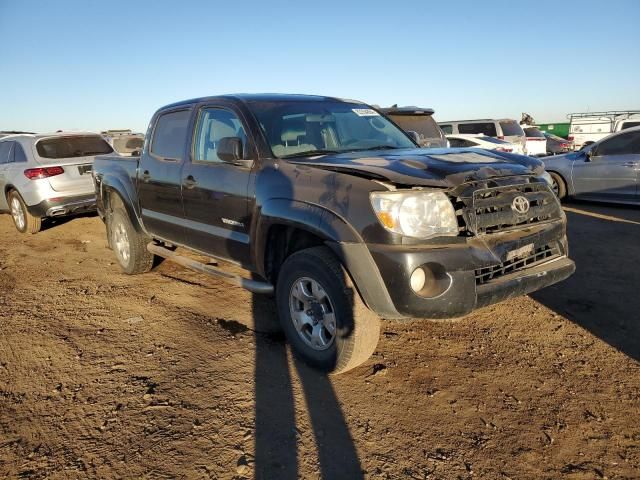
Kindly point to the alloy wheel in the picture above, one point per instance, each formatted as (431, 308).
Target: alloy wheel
(312, 313)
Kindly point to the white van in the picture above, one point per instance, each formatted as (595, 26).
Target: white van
(503, 129)
(586, 128)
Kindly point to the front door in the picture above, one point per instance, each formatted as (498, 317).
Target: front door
(611, 170)
(214, 192)
(159, 185)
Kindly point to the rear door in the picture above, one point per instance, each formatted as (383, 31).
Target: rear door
(611, 172)
(159, 185)
(5, 151)
(214, 192)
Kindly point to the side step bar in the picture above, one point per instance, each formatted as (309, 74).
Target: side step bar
(251, 285)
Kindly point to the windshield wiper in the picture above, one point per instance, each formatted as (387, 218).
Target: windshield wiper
(310, 153)
(377, 147)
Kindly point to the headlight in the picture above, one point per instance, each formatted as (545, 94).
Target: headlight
(415, 213)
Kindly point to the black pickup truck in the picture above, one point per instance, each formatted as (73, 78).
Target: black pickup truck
(334, 210)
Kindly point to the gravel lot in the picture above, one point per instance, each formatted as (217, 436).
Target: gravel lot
(163, 375)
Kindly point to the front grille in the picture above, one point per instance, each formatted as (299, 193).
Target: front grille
(490, 210)
(540, 255)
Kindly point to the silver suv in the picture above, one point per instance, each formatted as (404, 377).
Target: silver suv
(47, 176)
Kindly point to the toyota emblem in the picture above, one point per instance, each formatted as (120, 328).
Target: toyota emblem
(520, 205)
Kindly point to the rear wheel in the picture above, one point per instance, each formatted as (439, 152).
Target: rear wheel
(128, 244)
(22, 219)
(322, 315)
(559, 186)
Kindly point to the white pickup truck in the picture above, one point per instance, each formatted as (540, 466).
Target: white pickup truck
(587, 128)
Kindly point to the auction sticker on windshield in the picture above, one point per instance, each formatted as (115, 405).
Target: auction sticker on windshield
(365, 112)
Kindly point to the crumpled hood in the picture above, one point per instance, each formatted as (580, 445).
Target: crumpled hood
(436, 167)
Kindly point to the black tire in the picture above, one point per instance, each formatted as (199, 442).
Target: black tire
(22, 219)
(129, 246)
(559, 185)
(357, 329)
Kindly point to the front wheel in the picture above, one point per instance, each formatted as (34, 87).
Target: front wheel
(22, 219)
(322, 315)
(559, 186)
(129, 245)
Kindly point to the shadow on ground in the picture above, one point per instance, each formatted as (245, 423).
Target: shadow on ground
(603, 296)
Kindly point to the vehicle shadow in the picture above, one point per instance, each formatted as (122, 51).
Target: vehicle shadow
(603, 295)
(277, 433)
(281, 444)
(48, 223)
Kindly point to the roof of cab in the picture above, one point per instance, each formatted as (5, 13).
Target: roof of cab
(261, 97)
(411, 110)
(39, 136)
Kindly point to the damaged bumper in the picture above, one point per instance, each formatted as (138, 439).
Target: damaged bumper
(460, 276)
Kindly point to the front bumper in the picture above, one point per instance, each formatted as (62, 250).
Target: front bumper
(460, 264)
(61, 206)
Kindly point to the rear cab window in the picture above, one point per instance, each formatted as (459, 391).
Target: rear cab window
(424, 125)
(72, 147)
(533, 133)
(626, 125)
(511, 129)
(485, 128)
(170, 135)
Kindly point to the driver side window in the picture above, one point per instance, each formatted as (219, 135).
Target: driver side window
(214, 124)
(624, 144)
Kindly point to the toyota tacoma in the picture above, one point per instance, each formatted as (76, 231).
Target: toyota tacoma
(335, 211)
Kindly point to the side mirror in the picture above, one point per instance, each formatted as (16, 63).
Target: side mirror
(590, 155)
(414, 135)
(230, 149)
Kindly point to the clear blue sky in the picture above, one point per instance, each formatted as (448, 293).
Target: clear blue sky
(109, 64)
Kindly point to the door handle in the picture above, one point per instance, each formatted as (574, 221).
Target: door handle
(145, 176)
(189, 182)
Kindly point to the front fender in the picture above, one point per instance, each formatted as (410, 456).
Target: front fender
(310, 217)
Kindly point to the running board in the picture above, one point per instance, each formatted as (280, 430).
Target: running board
(251, 285)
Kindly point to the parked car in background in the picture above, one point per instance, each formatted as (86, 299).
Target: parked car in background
(6, 133)
(47, 175)
(419, 120)
(333, 209)
(124, 142)
(607, 170)
(557, 145)
(536, 141)
(587, 128)
(504, 129)
(482, 141)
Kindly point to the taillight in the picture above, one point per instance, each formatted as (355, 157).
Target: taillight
(564, 145)
(46, 172)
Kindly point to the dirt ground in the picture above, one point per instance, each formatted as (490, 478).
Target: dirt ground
(104, 375)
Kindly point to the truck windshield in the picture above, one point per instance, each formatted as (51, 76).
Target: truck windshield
(306, 128)
(73, 146)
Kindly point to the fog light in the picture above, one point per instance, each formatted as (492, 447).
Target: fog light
(418, 278)
(430, 280)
